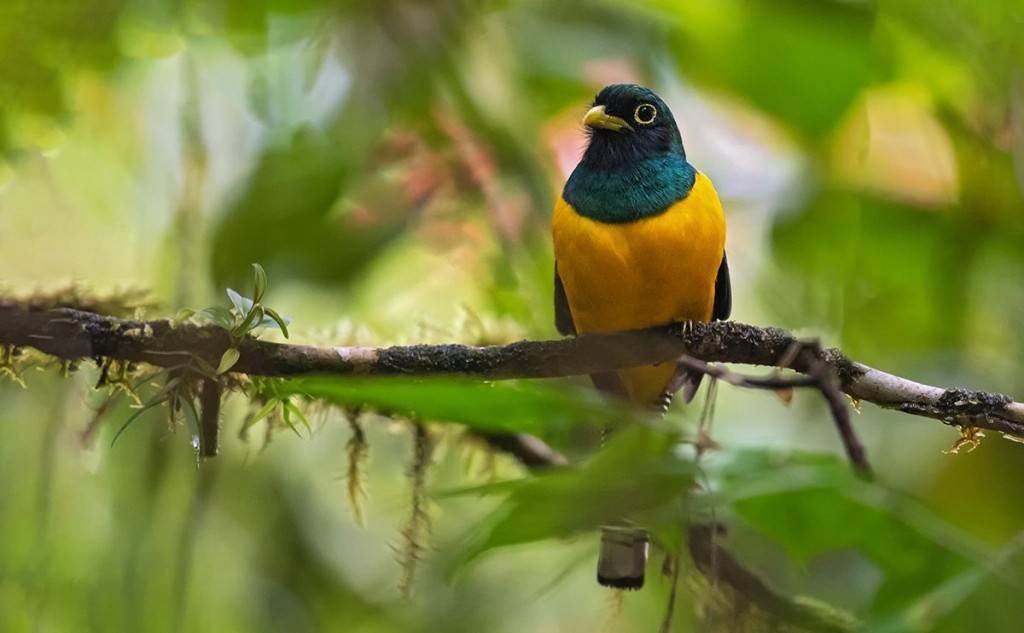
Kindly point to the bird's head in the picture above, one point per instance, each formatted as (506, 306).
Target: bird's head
(628, 123)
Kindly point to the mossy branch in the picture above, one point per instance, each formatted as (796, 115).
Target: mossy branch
(72, 334)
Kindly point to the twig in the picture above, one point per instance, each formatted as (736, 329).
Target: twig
(532, 452)
(820, 375)
(827, 380)
(772, 382)
(670, 608)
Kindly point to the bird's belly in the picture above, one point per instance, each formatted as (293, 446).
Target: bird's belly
(640, 274)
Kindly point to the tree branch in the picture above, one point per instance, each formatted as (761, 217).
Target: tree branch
(68, 333)
(820, 375)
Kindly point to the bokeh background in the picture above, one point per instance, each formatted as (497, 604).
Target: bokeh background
(393, 165)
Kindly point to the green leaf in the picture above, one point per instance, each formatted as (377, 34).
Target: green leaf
(287, 408)
(262, 413)
(219, 316)
(188, 409)
(529, 407)
(273, 318)
(756, 472)
(183, 315)
(228, 360)
(973, 600)
(259, 283)
(925, 613)
(252, 320)
(638, 471)
(158, 399)
(915, 549)
(243, 305)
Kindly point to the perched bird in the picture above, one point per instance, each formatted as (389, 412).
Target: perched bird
(639, 239)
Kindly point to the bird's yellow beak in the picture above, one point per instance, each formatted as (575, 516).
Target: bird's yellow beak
(597, 118)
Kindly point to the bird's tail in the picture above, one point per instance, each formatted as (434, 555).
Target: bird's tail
(623, 557)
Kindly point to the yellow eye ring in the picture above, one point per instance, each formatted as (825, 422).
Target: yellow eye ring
(645, 114)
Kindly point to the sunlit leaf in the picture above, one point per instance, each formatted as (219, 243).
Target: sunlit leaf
(228, 360)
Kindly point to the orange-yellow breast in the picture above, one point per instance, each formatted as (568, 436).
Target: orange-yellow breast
(644, 273)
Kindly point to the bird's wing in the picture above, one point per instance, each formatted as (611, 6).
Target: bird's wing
(563, 315)
(723, 292)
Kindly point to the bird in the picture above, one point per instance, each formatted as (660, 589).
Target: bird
(639, 241)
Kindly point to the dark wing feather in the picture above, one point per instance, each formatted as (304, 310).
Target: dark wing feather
(723, 293)
(689, 380)
(563, 315)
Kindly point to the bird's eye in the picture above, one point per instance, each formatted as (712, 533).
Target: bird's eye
(645, 114)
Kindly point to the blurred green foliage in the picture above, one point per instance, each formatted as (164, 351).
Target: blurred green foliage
(392, 165)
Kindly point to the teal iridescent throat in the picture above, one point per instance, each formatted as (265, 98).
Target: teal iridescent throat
(646, 188)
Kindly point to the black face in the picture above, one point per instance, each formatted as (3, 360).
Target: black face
(635, 124)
